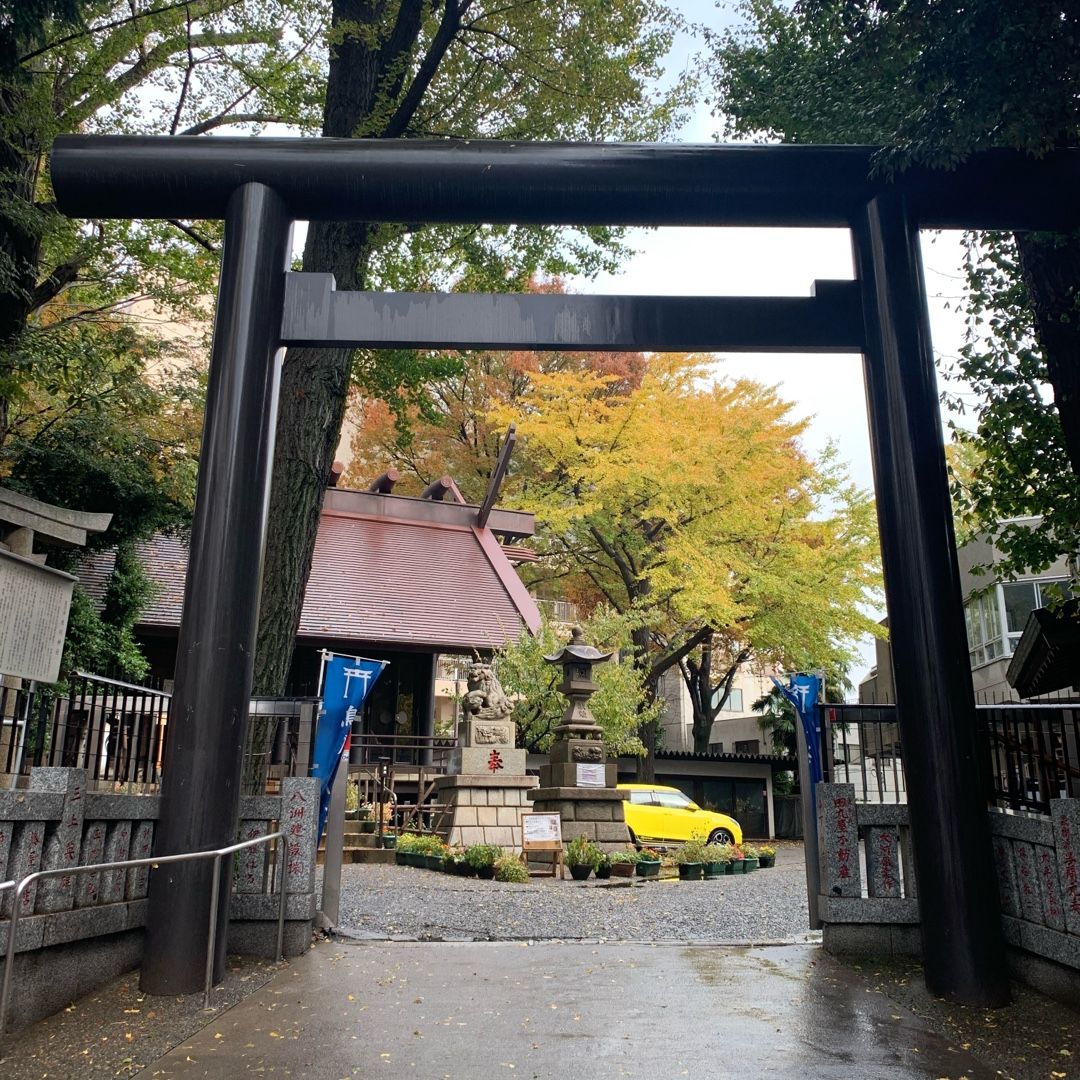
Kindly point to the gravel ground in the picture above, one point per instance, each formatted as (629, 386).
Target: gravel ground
(400, 902)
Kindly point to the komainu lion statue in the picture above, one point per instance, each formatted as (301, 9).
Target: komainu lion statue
(486, 699)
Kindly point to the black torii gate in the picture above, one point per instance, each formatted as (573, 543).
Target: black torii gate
(260, 186)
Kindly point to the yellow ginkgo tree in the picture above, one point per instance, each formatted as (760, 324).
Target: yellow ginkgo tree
(689, 506)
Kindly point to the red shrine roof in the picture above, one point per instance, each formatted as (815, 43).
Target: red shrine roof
(378, 578)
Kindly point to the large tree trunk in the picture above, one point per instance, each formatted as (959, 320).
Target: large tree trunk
(649, 733)
(314, 382)
(314, 387)
(700, 687)
(19, 240)
(1050, 263)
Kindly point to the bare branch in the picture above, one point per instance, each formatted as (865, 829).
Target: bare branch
(224, 119)
(199, 239)
(664, 662)
(62, 276)
(448, 28)
(151, 61)
(126, 21)
(186, 84)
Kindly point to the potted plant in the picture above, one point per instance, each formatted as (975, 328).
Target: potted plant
(512, 869)
(750, 858)
(603, 866)
(737, 859)
(648, 863)
(582, 856)
(435, 852)
(455, 861)
(367, 820)
(481, 859)
(717, 856)
(690, 859)
(407, 848)
(766, 856)
(623, 862)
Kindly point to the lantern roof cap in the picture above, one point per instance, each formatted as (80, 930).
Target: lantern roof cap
(576, 649)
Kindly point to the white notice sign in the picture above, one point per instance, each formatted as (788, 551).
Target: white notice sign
(541, 828)
(34, 605)
(590, 775)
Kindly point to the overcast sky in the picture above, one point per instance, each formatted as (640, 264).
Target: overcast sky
(828, 389)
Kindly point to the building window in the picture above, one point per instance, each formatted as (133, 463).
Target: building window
(747, 746)
(716, 748)
(734, 701)
(1021, 598)
(984, 628)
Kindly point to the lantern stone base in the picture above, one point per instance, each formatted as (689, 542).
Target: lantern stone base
(564, 774)
(486, 809)
(595, 813)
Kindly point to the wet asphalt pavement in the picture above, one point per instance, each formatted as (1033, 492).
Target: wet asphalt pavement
(484, 995)
(547, 1011)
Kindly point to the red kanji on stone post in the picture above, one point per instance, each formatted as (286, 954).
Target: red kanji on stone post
(495, 761)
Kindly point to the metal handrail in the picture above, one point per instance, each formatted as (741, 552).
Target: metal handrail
(216, 854)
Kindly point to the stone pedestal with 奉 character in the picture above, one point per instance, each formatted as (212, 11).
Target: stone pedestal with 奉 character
(485, 787)
(578, 783)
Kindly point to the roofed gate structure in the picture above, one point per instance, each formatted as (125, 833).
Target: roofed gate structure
(260, 186)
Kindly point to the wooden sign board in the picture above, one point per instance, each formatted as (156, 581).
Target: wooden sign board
(542, 832)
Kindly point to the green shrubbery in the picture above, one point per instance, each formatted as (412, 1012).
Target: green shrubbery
(509, 868)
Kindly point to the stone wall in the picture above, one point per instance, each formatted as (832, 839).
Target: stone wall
(76, 932)
(595, 813)
(485, 809)
(869, 905)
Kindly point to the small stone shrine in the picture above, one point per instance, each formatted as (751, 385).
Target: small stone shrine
(578, 783)
(486, 785)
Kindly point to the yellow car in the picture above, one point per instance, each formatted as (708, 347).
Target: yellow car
(664, 815)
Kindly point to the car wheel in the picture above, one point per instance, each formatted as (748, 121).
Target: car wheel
(721, 836)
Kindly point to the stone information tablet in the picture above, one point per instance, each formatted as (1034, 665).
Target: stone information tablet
(34, 605)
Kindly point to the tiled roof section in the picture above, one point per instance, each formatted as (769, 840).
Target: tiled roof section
(745, 759)
(373, 580)
(403, 582)
(165, 560)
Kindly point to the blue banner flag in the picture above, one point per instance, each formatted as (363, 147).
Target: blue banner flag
(803, 692)
(347, 681)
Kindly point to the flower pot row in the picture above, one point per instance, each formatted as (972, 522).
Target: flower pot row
(697, 871)
(485, 861)
(643, 868)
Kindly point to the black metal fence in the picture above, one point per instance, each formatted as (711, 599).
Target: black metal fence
(117, 730)
(861, 746)
(114, 730)
(426, 750)
(1034, 753)
(1031, 752)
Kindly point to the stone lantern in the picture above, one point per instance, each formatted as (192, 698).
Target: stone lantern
(579, 739)
(578, 782)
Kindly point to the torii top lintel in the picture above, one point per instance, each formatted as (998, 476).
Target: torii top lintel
(554, 183)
